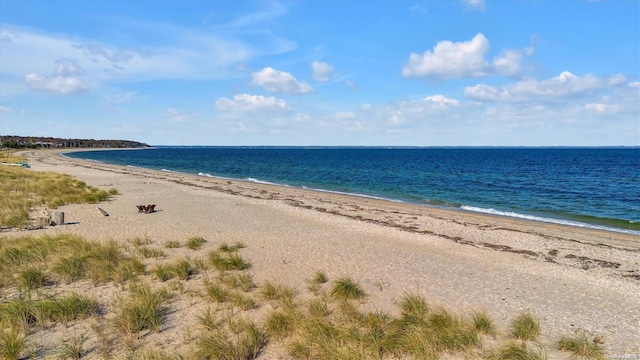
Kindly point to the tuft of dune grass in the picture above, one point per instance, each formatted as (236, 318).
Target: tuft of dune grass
(580, 347)
(525, 327)
(141, 309)
(347, 289)
(233, 340)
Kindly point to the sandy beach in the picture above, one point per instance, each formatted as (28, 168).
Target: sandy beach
(570, 278)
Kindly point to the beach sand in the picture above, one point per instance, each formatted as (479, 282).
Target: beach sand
(570, 278)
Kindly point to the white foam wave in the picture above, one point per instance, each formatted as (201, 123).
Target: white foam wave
(354, 194)
(170, 171)
(544, 219)
(257, 181)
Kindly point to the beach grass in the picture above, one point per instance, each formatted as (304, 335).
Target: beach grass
(483, 323)
(330, 324)
(224, 261)
(182, 269)
(347, 289)
(12, 341)
(73, 347)
(9, 156)
(195, 243)
(233, 340)
(25, 314)
(525, 327)
(143, 308)
(519, 351)
(580, 347)
(172, 244)
(23, 189)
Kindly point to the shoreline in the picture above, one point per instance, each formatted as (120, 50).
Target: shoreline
(467, 209)
(571, 278)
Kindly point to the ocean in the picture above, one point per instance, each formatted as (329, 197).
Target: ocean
(586, 187)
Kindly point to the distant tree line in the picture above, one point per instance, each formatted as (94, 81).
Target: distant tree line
(32, 142)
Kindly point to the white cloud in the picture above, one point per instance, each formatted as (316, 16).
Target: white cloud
(475, 4)
(115, 99)
(6, 109)
(441, 102)
(345, 115)
(418, 8)
(321, 71)
(509, 63)
(57, 85)
(352, 85)
(174, 53)
(601, 108)
(562, 86)
(251, 103)
(68, 67)
(303, 118)
(278, 81)
(450, 60)
(176, 116)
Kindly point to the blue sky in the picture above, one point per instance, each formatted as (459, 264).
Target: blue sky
(378, 73)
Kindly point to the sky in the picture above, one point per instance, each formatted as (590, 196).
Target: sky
(323, 73)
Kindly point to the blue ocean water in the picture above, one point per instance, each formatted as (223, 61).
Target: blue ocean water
(592, 187)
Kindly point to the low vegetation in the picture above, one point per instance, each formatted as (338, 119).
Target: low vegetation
(581, 348)
(23, 189)
(231, 316)
(195, 243)
(525, 327)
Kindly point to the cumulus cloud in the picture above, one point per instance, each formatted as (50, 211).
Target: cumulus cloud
(251, 103)
(277, 81)
(57, 85)
(6, 109)
(562, 86)
(321, 71)
(441, 102)
(450, 60)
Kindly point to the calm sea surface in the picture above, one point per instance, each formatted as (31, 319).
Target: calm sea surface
(597, 188)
